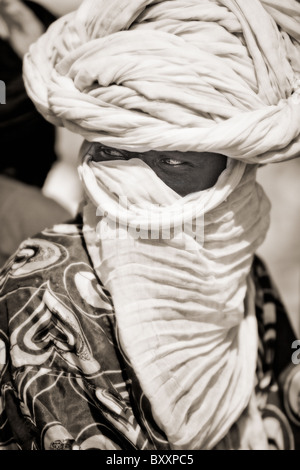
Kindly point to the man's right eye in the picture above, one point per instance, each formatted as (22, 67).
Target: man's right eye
(114, 153)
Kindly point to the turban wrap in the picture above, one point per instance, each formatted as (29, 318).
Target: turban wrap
(217, 76)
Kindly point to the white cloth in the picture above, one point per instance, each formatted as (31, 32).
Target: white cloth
(215, 76)
(184, 320)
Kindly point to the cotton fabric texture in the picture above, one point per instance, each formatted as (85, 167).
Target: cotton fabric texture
(216, 76)
(183, 320)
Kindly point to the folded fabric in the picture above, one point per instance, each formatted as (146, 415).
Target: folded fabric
(183, 303)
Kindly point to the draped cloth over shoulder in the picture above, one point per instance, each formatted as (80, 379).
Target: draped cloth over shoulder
(203, 75)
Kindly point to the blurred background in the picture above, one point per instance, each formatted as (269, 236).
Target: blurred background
(39, 184)
(281, 249)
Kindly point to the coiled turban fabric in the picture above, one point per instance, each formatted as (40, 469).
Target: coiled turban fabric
(218, 76)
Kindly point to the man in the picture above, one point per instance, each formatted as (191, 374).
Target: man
(151, 314)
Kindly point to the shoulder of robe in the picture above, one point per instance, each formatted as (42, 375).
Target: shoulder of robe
(53, 266)
(45, 259)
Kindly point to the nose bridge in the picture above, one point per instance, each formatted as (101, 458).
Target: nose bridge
(147, 157)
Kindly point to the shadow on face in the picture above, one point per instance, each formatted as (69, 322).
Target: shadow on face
(184, 172)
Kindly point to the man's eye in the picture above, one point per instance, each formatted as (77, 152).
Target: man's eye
(173, 162)
(113, 153)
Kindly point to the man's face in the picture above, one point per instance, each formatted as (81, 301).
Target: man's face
(184, 172)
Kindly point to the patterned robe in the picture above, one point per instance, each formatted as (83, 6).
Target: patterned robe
(65, 383)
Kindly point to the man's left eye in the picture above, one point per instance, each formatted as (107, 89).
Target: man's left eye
(173, 162)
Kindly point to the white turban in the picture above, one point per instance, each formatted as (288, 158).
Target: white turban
(210, 76)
